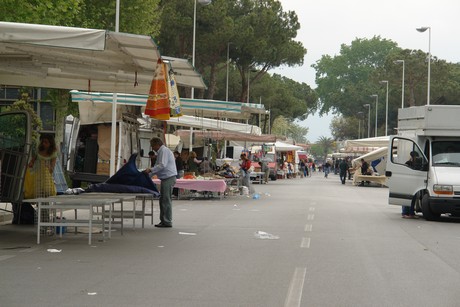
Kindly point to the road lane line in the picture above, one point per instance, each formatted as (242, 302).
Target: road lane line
(4, 257)
(308, 227)
(305, 243)
(294, 296)
(29, 250)
(311, 217)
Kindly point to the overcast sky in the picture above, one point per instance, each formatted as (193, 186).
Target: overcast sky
(326, 24)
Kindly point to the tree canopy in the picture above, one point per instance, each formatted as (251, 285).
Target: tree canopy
(347, 81)
(258, 34)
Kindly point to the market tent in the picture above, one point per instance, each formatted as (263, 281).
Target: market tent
(185, 73)
(227, 135)
(376, 158)
(83, 59)
(196, 107)
(380, 141)
(214, 124)
(102, 113)
(281, 146)
(212, 108)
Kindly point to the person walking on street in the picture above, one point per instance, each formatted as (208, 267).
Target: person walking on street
(246, 173)
(326, 169)
(165, 169)
(343, 167)
(350, 166)
(408, 212)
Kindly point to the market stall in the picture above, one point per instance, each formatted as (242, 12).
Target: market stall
(185, 186)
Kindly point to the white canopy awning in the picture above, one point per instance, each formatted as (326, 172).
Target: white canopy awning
(196, 107)
(226, 135)
(380, 141)
(213, 124)
(83, 59)
(378, 154)
(281, 146)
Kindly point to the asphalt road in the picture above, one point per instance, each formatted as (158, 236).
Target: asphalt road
(331, 245)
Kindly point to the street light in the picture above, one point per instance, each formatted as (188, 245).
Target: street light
(368, 119)
(202, 2)
(359, 124)
(376, 109)
(423, 29)
(402, 86)
(386, 107)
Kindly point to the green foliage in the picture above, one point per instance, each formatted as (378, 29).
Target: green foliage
(49, 12)
(283, 127)
(346, 81)
(347, 128)
(343, 81)
(260, 33)
(23, 104)
(325, 146)
(136, 16)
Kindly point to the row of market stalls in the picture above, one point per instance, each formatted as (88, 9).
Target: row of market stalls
(115, 71)
(373, 150)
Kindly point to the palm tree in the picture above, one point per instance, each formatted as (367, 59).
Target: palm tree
(326, 144)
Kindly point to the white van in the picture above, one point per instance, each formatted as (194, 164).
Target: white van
(88, 141)
(431, 134)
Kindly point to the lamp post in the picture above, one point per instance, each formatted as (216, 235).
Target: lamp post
(376, 109)
(368, 118)
(360, 114)
(423, 29)
(203, 2)
(402, 86)
(386, 107)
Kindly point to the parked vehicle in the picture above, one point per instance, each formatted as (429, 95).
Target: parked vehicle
(88, 141)
(431, 180)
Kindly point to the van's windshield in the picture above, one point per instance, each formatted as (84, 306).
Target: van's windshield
(446, 153)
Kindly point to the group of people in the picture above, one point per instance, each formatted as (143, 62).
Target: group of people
(191, 165)
(168, 166)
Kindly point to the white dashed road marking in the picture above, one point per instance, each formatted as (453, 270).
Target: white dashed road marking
(305, 243)
(294, 296)
(5, 257)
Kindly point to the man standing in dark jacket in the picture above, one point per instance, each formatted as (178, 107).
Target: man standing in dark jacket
(343, 167)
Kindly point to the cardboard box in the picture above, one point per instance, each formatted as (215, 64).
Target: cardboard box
(103, 168)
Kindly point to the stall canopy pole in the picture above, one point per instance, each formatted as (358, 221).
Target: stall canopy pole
(190, 148)
(114, 104)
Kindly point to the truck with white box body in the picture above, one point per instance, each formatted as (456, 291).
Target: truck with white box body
(431, 179)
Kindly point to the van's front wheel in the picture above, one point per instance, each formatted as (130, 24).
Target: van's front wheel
(426, 210)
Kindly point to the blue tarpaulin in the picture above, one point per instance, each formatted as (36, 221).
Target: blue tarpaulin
(129, 175)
